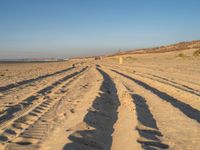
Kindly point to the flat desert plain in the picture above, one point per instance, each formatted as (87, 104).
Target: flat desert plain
(151, 101)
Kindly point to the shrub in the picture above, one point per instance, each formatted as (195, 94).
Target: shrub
(196, 53)
(181, 55)
(130, 58)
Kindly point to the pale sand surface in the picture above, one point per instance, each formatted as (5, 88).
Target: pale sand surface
(151, 101)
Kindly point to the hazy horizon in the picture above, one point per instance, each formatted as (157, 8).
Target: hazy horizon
(63, 29)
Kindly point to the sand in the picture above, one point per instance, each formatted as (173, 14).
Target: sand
(151, 101)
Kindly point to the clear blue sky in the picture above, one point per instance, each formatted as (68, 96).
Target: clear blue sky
(65, 28)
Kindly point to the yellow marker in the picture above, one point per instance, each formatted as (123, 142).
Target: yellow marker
(120, 60)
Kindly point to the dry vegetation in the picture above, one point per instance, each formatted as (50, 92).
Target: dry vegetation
(196, 53)
(162, 49)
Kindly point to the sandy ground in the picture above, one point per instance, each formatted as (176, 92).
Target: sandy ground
(151, 101)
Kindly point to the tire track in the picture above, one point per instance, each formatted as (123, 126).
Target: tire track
(37, 102)
(164, 81)
(97, 128)
(182, 95)
(178, 130)
(20, 83)
(173, 84)
(17, 95)
(75, 107)
(35, 126)
(180, 73)
(150, 136)
(183, 107)
(28, 131)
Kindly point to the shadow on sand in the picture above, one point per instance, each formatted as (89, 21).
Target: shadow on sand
(149, 129)
(183, 107)
(99, 120)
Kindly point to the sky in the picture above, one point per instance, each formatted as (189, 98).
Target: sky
(70, 28)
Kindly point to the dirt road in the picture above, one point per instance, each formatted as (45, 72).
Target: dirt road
(100, 105)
